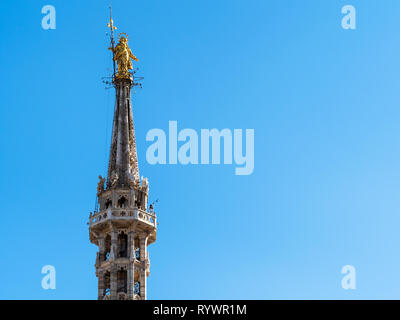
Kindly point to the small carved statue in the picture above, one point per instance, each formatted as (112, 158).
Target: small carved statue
(100, 185)
(145, 184)
(137, 184)
(114, 178)
(131, 178)
(123, 56)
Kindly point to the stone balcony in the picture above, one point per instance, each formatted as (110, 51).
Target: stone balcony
(125, 261)
(126, 214)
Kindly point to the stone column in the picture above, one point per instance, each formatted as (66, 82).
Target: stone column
(143, 283)
(100, 290)
(132, 199)
(143, 247)
(143, 258)
(113, 283)
(131, 266)
(145, 197)
(102, 249)
(130, 279)
(131, 245)
(114, 244)
(113, 199)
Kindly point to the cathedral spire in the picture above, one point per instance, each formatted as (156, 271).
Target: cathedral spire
(123, 168)
(123, 225)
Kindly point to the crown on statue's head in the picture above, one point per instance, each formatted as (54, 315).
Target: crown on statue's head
(123, 35)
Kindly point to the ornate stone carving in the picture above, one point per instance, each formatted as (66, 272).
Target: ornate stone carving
(145, 184)
(114, 178)
(131, 179)
(100, 185)
(122, 296)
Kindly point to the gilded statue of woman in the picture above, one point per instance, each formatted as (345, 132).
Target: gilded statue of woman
(123, 56)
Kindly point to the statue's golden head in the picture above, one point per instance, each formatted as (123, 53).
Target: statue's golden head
(123, 40)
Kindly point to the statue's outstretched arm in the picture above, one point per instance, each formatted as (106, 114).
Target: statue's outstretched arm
(133, 56)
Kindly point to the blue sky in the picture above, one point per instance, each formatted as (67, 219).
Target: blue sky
(324, 104)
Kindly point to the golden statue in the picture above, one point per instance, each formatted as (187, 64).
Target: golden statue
(123, 56)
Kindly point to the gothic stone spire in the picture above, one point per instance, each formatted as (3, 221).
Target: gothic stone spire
(123, 168)
(122, 227)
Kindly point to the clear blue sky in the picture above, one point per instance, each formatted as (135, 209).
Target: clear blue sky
(324, 104)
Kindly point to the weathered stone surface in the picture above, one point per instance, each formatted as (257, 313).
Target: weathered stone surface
(123, 226)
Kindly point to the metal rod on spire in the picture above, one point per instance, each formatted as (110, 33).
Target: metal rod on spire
(112, 27)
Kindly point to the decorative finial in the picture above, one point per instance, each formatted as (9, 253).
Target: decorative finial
(122, 54)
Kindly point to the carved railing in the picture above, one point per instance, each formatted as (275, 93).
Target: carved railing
(123, 214)
(122, 296)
